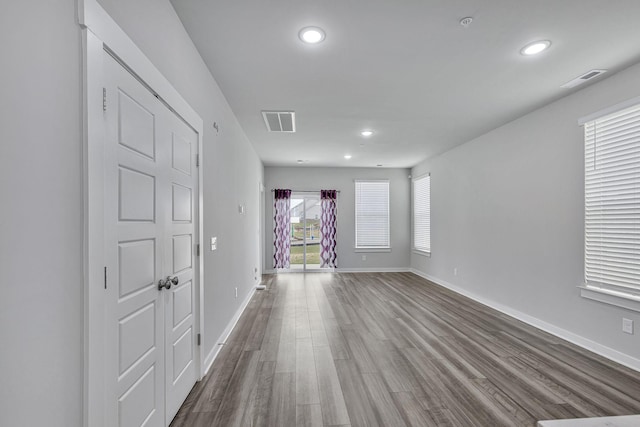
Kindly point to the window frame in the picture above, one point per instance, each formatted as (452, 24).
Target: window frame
(386, 248)
(414, 248)
(607, 293)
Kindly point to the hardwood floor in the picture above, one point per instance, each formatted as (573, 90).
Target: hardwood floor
(392, 349)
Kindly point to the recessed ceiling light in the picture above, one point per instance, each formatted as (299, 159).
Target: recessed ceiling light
(347, 156)
(311, 35)
(535, 47)
(366, 133)
(300, 161)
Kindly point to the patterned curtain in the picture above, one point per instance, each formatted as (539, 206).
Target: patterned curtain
(282, 228)
(328, 255)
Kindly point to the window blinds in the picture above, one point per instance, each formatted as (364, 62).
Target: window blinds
(612, 201)
(372, 214)
(422, 213)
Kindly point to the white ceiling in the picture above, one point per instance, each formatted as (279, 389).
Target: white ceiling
(406, 69)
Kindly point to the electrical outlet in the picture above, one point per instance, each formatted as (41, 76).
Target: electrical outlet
(627, 326)
(236, 292)
(364, 257)
(455, 271)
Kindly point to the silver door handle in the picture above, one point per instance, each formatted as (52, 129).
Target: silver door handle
(166, 283)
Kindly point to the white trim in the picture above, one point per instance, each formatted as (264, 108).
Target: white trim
(211, 357)
(100, 32)
(413, 216)
(630, 302)
(612, 109)
(355, 213)
(93, 217)
(421, 252)
(371, 250)
(374, 270)
(96, 19)
(296, 270)
(349, 270)
(609, 353)
(617, 421)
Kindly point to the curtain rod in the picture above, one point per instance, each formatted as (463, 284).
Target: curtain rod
(303, 191)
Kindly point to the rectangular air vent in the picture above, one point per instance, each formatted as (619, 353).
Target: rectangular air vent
(583, 78)
(280, 121)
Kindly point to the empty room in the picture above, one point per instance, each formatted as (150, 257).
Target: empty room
(320, 213)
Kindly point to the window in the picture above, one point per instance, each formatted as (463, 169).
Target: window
(422, 214)
(372, 215)
(612, 203)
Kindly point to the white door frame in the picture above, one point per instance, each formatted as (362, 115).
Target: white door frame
(100, 32)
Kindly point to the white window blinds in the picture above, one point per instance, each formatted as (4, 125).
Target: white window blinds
(612, 201)
(372, 214)
(422, 213)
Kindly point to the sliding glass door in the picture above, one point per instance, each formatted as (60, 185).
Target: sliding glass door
(305, 215)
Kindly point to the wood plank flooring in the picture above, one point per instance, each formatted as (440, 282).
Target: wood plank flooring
(392, 349)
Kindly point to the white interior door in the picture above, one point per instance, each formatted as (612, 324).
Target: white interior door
(180, 336)
(150, 181)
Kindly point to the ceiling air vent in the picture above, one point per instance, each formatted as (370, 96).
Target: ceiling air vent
(583, 78)
(280, 121)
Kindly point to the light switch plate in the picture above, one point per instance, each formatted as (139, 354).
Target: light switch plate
(627, 326)
(214, 243)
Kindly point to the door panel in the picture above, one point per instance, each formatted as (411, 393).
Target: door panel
(137, 195)
(181, 203)
(137, 261)
(149, 235)
(182, 154)
(134, 312)
(136, 124)
(180, 335)
(137, 406)
(181, 253)
(182, 302)
(135, 333)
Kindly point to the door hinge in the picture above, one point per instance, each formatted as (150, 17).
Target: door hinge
(104, 99)
(199, 340)
(105, 277)
(197, 160)
(197, 249)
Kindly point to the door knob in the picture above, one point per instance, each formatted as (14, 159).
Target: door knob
(166, 283)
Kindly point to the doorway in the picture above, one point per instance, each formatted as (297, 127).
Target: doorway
(305, 213)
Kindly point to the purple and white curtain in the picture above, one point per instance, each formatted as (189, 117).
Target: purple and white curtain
(282, 228)
(328, 255)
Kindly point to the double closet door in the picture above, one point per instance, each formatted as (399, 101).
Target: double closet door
(150, 216)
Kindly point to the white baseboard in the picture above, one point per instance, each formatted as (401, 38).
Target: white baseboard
(208, 361)
(374, 270)
(350, 270)
(604, 351)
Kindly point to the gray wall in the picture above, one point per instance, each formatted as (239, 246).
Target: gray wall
(41, 308)
(507, 212)
(309, 178)
(41, 221)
